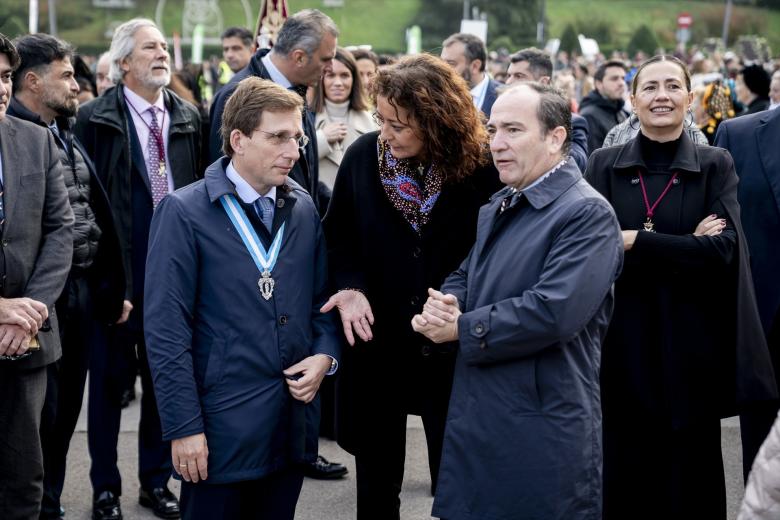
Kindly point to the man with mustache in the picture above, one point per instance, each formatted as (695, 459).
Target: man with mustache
(45, 93)
(145, 143)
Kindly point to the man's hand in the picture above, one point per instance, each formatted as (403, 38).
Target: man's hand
(355, 314)
(14, 340)
(27, 313)
(311, 371)
(439, 319)
(190, 457)
(126, 308)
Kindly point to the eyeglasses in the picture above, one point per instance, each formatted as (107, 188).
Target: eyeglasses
(281, 138)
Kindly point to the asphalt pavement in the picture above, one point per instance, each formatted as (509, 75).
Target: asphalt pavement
(320, 500)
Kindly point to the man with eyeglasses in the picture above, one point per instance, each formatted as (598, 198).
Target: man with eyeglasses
(145, 142)
(236, 277)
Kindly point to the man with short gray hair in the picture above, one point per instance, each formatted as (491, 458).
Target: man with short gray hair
(303, 52)
(145, 143)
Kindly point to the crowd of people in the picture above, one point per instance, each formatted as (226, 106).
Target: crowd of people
(567, 268)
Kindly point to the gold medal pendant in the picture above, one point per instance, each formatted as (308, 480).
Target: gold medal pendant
(162, 169)
(649, 225)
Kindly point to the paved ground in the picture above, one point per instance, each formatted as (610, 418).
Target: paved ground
(320, 500)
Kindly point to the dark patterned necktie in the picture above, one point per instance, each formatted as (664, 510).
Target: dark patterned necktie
(158, 180)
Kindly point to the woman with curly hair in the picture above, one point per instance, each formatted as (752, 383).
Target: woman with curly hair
(402, 217)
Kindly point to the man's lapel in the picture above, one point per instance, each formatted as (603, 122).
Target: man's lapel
(285, 201)
(12, 168)
(767, 137)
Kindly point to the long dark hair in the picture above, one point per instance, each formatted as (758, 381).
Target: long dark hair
(357, 100)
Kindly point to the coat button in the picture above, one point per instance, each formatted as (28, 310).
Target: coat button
(482, 345)
(635, 180)
(415, 301)
(479, 328)
(5, 243)
(283, 319)
(417, 253)
(425, 350)
(676, 181)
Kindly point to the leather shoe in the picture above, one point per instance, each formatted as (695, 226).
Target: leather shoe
(106, 507)
(322, 469)
(161, 501)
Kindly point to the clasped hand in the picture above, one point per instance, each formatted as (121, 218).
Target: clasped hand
(439, 319)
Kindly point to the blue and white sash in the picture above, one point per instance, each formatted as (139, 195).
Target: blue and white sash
(264, 260)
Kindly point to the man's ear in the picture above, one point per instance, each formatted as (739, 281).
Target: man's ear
(475, 66)
(557, 137)
(299, 57)
(31, 81)
(236, 141)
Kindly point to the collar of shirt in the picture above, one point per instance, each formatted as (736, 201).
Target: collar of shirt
(479, 90)
(141, 104)
(543, 177)
(246, 192)
(276, 76)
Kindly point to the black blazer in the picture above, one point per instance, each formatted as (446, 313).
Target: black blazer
(685, 340)
(372, 248)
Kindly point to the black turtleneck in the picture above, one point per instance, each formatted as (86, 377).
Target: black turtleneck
(658, 156)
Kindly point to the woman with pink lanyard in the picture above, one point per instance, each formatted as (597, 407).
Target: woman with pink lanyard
(685, 346)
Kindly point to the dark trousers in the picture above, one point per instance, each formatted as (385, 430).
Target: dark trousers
(108, 373)
(22, 393)
(65, 390)
(380, 466)
(653, 471)
(271, 498)
(756, 421)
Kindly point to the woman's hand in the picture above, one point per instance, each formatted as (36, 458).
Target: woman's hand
(629, 237)
(355, 314)
(334, 132)
(710, 226)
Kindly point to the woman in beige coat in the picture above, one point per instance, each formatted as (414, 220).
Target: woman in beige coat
(341, 113)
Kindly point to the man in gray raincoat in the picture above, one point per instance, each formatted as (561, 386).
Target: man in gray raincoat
(530, 306)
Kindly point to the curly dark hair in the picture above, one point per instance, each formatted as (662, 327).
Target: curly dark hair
(442, 112)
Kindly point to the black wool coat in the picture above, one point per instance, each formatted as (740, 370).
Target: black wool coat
(372, 248)
(685, 342)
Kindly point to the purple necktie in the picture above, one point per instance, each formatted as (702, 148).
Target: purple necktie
(157, 177)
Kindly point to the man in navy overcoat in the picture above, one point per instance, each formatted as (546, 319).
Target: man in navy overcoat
(529, 306)
(753, 142)
(236, 275)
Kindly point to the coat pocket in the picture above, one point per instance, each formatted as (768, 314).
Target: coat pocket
(215, 366)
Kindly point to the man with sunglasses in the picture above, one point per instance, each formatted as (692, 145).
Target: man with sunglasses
(36, 247)
(238, 347)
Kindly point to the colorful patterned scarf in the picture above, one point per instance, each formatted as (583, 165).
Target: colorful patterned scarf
(412, 191)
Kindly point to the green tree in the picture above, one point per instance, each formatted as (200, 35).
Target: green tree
(643, 40)
(569, 40)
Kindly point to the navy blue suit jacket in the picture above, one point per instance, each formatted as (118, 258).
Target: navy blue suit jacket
(753, 141)
(216, 348)
(490, 96)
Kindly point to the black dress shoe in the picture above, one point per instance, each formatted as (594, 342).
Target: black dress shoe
(106, 507)
(322, 469)
(161, 501)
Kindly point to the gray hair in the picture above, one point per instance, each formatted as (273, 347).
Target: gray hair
(304, 30)
(122, 45)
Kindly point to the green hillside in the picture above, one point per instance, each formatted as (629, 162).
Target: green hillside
(382, 22)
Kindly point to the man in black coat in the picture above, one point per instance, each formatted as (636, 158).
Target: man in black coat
(45, 93)
(36, 224)
(752, 141)
(145, 143)
(532, 64)
(303, 51)
(604, 107)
